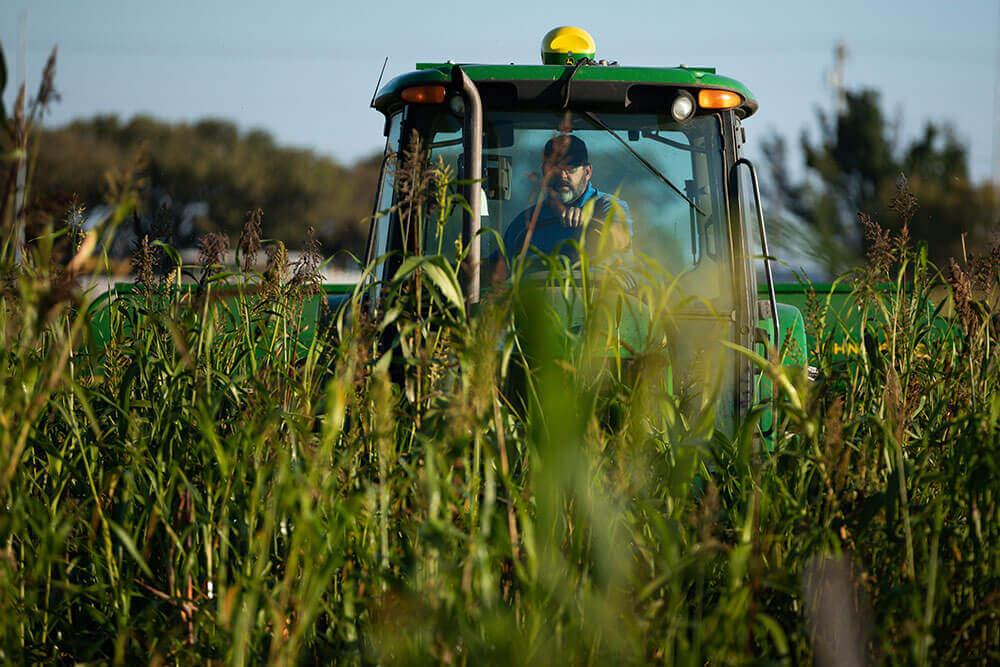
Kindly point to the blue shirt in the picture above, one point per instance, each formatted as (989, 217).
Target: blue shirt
(550, 232)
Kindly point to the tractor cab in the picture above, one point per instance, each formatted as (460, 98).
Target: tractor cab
(649, 158)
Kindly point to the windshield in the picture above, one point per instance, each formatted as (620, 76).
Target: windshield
(658, 182)
(653, 186)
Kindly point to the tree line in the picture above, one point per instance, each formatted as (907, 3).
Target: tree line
(206, 175)
(854, 167)
(853, 172)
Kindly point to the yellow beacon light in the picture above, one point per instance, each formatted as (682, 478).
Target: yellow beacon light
(566, 45)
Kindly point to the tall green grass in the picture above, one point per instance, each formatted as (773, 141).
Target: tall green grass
(421, 481)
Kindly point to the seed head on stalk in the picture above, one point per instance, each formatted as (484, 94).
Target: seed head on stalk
(250, 244)
(904, 204)
(212, 252)
(276, 272)
(882, 251)
(961, 293)
(143, 261)
(305, 281)
(415, 180)
(985, 268)
(46, 89)
(74, 224)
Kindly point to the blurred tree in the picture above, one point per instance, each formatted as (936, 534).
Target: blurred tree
(854, 168)
(212, 163)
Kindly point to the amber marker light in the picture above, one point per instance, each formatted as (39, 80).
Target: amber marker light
(424, 94)
(717, 99)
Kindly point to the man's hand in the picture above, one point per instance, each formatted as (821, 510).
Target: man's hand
(572, 216)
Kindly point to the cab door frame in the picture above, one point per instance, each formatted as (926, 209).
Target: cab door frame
(744, 277)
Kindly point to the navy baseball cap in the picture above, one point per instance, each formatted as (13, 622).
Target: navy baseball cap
(566, 149)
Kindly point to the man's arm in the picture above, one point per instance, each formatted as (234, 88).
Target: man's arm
(612, 217)
(609, 208)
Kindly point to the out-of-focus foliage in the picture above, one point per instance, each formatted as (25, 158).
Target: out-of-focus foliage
(426, 483)
(211, 161)
(854, 166)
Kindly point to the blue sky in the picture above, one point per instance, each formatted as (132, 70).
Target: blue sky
(305, 71)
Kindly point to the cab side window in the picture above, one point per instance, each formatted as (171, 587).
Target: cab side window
(385, 197)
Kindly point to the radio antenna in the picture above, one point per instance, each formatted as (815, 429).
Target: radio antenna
(379, 82)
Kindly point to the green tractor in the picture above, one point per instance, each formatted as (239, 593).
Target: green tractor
(657, 150)
(649, 157)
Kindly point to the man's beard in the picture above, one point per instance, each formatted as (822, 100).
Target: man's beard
(566, 192)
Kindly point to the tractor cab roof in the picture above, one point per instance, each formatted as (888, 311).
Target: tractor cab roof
(586, 83)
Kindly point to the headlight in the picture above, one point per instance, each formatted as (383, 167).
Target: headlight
(683, 106)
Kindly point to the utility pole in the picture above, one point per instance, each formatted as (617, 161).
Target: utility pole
(996, 112)
(835, 77)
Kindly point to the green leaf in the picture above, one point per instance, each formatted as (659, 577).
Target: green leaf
(171, 252)
(222, 276)
(446, 282)
(409, 265)
(126, 539)
(777, 634)
(440, 274)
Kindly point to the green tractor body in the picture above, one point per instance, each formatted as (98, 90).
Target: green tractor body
(658, 154)
(651, 158)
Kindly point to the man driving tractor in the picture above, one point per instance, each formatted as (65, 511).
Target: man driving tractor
(558, 215)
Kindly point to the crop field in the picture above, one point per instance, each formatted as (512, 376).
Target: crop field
(219, 476)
